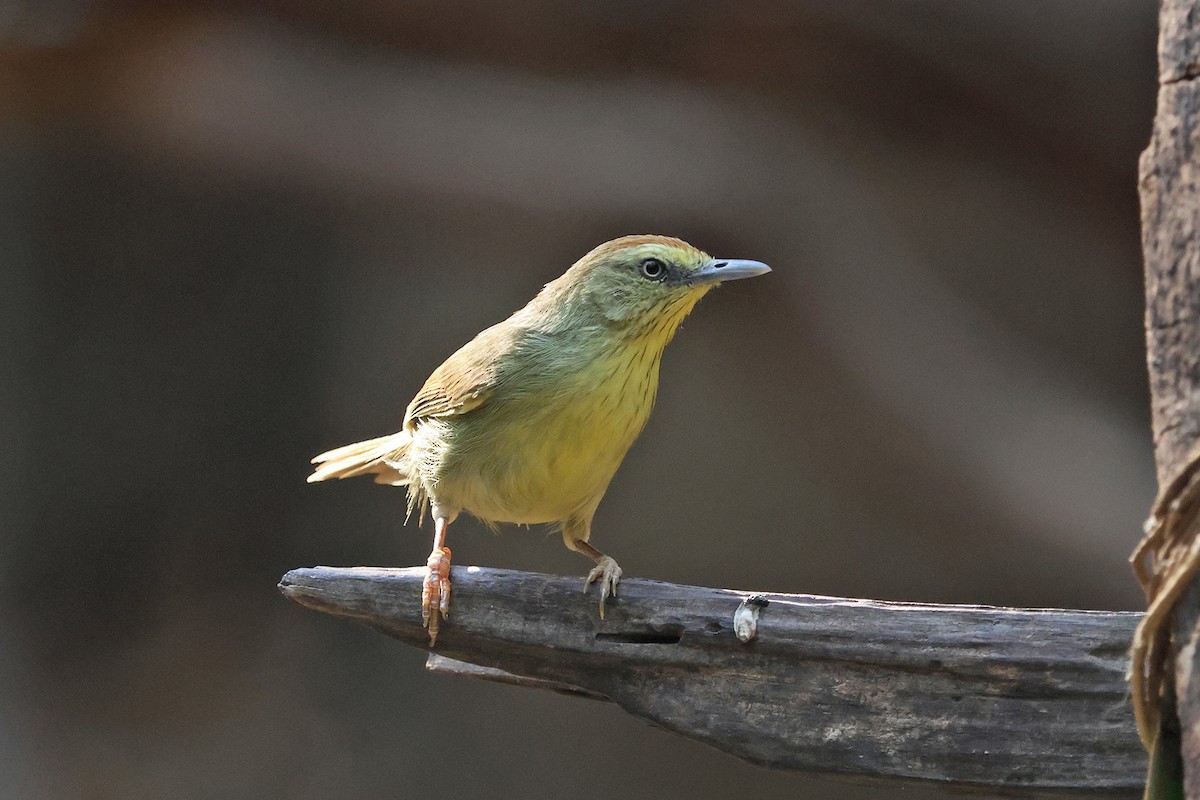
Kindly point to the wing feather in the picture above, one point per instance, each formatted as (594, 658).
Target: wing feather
(466, 379)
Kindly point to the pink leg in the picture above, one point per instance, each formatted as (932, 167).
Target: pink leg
(606, 571)
(435, 591)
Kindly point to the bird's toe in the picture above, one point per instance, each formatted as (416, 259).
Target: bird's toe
(608, 573)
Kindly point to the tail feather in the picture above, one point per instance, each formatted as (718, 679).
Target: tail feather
(382, 457)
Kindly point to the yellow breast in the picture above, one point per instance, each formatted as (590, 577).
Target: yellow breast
(548, 454)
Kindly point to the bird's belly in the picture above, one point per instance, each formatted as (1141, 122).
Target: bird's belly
(530, 463)
(546, 486)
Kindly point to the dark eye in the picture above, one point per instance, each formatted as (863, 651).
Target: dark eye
(653, 269)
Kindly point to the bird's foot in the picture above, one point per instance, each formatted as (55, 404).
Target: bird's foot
(435, 591)
(609, 574)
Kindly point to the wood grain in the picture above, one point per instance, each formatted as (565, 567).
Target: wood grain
(1170, 198)
(991, 698)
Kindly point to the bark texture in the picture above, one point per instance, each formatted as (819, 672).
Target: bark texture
(1170, 169)
(1026, 700)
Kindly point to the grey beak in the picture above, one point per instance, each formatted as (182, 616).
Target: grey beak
(728, 269)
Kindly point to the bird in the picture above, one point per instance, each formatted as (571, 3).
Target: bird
(528, 422)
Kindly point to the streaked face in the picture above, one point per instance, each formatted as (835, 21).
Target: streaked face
(644, 282)
(652, 282)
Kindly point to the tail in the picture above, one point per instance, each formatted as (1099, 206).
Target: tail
(383, 457)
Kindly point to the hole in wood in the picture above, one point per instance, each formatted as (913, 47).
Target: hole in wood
(665, 636)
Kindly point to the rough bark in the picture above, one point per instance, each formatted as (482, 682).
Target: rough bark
(1004, 699)
(1170, 168)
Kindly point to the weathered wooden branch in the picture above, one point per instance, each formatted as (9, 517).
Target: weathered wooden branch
(1170, 197)
(1011, 699)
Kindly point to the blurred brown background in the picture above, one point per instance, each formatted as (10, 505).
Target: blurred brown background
(235, 234)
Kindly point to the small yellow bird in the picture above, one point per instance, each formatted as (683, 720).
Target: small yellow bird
(528, 422)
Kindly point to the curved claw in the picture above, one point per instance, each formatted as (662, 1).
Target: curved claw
(609, 574)
(435, 591)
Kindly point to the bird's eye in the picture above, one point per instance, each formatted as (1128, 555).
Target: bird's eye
(653, 269)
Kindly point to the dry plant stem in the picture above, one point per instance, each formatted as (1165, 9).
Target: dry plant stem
(1165, 562)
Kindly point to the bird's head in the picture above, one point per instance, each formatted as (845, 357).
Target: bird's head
(641, 286)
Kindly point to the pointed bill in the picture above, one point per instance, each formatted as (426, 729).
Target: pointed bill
(728, 269)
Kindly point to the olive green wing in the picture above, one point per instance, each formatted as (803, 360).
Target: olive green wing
(466, 379)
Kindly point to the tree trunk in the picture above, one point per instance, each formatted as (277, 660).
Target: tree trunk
(1169, 171)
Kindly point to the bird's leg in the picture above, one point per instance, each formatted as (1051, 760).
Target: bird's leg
(606, 571)
(435, 591)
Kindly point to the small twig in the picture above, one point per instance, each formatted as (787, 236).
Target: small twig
(970, 696)
(464, 669)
